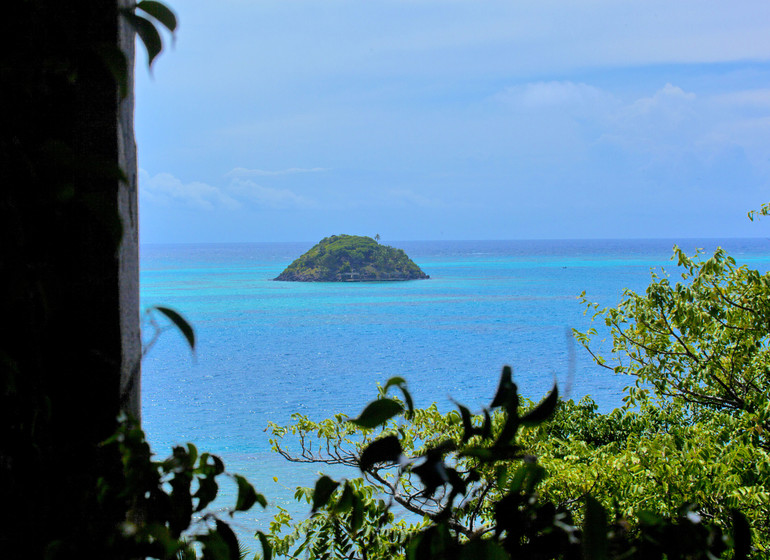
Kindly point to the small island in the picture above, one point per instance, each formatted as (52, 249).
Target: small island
(352, 258)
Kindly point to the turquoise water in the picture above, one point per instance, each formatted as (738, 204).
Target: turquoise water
(268, 349)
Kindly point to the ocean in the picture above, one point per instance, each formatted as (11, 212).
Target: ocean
(266, 349)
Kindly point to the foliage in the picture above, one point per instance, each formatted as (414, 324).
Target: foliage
(702, 341)
(159, 523)
(698, 350)
(654, 460)
(165, 505)
(477, 493)
(174, 321)
(354, 522)
(764, 210)
(146, 27)
(351, 258)
(144, 18)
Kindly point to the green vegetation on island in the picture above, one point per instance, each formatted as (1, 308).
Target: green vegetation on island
(351, 258)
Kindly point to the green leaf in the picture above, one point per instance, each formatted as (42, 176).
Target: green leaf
(357, 515)
(526, 478)
(384, 450)
(396, 380)
(378, 412)
(219, 466)
(192, 453)
(324, 488)
(409, 403)
(468, 430)
(485, 549)
(516, 482)
(229, 539)
(535, 473)
(247, 496)
(542, 411)
(649, 518)
(432, 473)
(486, 427)
(159, 11)
(214, 546)
(181, 504)
(481, 453)
(506, 389)
(345, 501)
(179, 461)
(400, 382)
(435, 542)
(206, 493)
(148, 34)
(507, 434)
(267, 549)
(594, 530)
(179, 322)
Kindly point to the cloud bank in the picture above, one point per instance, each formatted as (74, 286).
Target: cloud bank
(237, 194)
(242, 172)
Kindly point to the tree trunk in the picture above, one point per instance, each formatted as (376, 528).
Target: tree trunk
(69, 350)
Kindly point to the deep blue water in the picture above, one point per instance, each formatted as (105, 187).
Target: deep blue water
(268, 349)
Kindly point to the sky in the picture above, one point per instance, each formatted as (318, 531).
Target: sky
(292, 120)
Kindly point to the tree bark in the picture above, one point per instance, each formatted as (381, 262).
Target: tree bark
(70, 346)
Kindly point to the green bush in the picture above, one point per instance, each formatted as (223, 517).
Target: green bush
(477, 491)
(165, 505)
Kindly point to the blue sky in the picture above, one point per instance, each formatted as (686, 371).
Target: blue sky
(291, 120)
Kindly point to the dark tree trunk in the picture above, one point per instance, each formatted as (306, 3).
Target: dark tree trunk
(68, 271)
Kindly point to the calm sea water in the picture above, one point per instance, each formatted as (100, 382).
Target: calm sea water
(269, 349)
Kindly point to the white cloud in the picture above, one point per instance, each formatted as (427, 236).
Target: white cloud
(576, 98)
(411, 198)
(667, 107)
(242, 172)
(668, 123)
(670, 101)
(750, 98)
(565, 99)
(667, 132)
(165, 189)
(267, 197)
